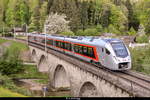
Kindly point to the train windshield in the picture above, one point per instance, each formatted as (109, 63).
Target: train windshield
(120, 49)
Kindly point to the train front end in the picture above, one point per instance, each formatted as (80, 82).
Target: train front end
(121, 56)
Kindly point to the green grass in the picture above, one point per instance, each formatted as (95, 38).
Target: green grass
(41, 81)
(8, 93)
(20, 46)
(14, 44)
(22, 37)
(30, 71)
(3, 41)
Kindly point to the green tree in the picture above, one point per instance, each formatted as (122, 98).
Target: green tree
(10, 19)
(99, 28)
(141, 30)
(69, 8)
(132, 31)
(105, 15)
(68, 33)
(118, 19)
(34, 15)
(112, 29)
(83, 14)
(10, 63)
(10, 13)
(80, 33)
(22, 13)
(132, 16)
(142, 9)
(91, 32)
(43, 14)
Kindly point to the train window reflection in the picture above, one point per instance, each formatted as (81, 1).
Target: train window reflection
(107, 52)
(120, 49)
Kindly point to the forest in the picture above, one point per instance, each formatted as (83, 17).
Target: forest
(121, 17)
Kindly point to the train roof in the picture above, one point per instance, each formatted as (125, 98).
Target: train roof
(82, 39)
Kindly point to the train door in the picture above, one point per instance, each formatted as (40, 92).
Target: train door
(107, 59)
(102, 56)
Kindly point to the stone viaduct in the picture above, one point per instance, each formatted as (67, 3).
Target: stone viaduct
(82, 79)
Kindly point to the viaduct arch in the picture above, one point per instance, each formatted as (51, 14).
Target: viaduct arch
(42, 64)
(88, 89)
(61, 78)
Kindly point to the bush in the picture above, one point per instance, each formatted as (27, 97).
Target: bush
(99, 28)
(8, 83)
(112, 29)
(80, 33)
(142, 39)
(91, 32)
(139, 62)
(8, 35)
(10, 63)
(68, 33)
(132, 31)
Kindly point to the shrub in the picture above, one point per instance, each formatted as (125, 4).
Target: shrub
(68, 33)
(8, 35)
(10, 63)
(91, 32)
(139, 62)
(8, 83)
(132, 31)
(112, 29)
(80, 33)
(142, 39)
(99, 28)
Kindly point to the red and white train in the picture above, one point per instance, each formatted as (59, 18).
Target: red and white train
(110, 53)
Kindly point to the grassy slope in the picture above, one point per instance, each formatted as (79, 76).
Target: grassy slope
(3, 41)
(30, 72)
(8, 93)
(20, 46)
(14, 44)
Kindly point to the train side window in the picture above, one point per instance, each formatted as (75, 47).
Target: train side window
(80, 49)
(102, 49)
(107, 52)
(50, 42)
(70, 46)
(76, 48)
(91, 52)
(61, 44)
(43, 40)
(29, 38)
(57, 44)
(34, 38)
(85, 51)
(67, 46)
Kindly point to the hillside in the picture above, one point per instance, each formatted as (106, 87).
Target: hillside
(121, 17)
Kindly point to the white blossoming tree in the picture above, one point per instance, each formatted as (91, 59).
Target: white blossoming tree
(55, 24)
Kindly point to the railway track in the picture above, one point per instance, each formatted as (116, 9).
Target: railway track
(138, 75)
(139, 83)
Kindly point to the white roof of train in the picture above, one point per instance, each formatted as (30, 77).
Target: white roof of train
(82, 39)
